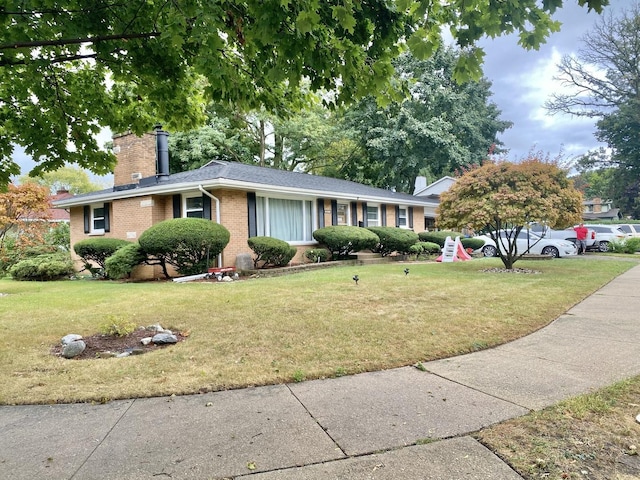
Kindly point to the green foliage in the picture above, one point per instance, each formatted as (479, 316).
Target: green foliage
(59, 236)
(420, 249)
(271, 252)
(343, 240)
(317, 255)
(96, 251)
(438, 237)
(472, 243)
(71, 179)
(630, 245)
(116, 326)
(393, 239)
(188, 244)
(76, 66)
(52, 266)
(12, 255)
(124, 260)
(442, 127)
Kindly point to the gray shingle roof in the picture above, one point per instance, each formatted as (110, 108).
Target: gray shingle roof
(255, 176)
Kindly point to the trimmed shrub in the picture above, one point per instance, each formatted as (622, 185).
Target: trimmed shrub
(316, 255)
(97, 250)
(438, 237)
(343, 240)
(50, 266)
(271, 252)
(11, 256)
(393, 239)
(424, 249)
(190, 245)
(472, 243)
(121, 264)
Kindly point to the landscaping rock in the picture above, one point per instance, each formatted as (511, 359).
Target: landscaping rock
(146, 340)
(72, 337)
(155, 328)
(73, 349)
(123, 354)
(164, 338)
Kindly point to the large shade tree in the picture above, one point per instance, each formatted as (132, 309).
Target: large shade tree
(70, 67)
(505, 197)
(441, 127)
(603, 81)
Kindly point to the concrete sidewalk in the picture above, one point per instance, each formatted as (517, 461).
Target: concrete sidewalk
(396, 424)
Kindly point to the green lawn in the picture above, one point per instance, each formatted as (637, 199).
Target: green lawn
(270, 330)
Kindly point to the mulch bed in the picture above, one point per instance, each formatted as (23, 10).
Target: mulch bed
(99, 343)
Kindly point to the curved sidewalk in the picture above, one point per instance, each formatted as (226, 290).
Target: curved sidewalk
(402, 423)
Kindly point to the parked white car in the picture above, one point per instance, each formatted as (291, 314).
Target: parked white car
(605, 234)
(530, 242)
(631, 229)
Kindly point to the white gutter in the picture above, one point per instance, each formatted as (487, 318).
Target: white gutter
(208, 194)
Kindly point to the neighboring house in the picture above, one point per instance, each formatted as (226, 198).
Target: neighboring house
(57, 215)
(598, 209)
(248, 200)
(431, 194)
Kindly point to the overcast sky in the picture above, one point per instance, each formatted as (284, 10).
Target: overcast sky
(522, 82)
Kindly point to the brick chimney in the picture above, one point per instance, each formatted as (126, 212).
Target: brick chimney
(136, 157)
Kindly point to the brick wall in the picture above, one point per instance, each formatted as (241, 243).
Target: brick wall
(135, 155)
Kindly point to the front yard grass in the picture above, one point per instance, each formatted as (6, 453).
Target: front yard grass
(283, 329)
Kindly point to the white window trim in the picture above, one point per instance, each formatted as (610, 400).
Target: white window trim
(378, 219)
(185, 210)
(93, 218)
(347, 212)
(406, 217)
(314, 217)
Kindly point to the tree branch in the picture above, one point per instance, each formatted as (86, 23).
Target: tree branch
(75, 41)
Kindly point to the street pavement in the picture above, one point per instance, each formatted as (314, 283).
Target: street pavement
(403, 423)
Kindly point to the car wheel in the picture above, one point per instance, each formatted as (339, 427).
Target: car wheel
(551, 251)
(603, 246)
(489, 251)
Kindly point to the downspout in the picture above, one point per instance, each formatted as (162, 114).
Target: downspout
(208, 194)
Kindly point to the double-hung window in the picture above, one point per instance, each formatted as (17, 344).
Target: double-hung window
(343, 213)
(96, 218)
(285, 219)
(193, 207)
(373, 216)
(403, 217)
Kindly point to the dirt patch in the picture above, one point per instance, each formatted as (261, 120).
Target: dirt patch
(526, 271)
(98, 344)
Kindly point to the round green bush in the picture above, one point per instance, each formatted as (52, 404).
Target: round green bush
(472, 243)
(439, 237)
(424, 248)
(316, 255)
(97, 250)
(393, 239)
(343, 240)
(190, 245)
(51, 266)
(271, 252)
(121, 264)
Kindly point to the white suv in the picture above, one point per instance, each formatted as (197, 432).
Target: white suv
(631, 229)
(606, 234)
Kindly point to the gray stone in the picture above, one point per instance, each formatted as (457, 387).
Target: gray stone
(123, 354)
(244, 261)
(163, 338)
(155, 328)
(146, 340)
(72, 337)
(227, 279)
(73, 349)
(106, 354)
(136, 351)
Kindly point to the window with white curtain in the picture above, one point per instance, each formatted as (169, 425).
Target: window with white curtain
(288, 220)
(403, 217)
(343, 213)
